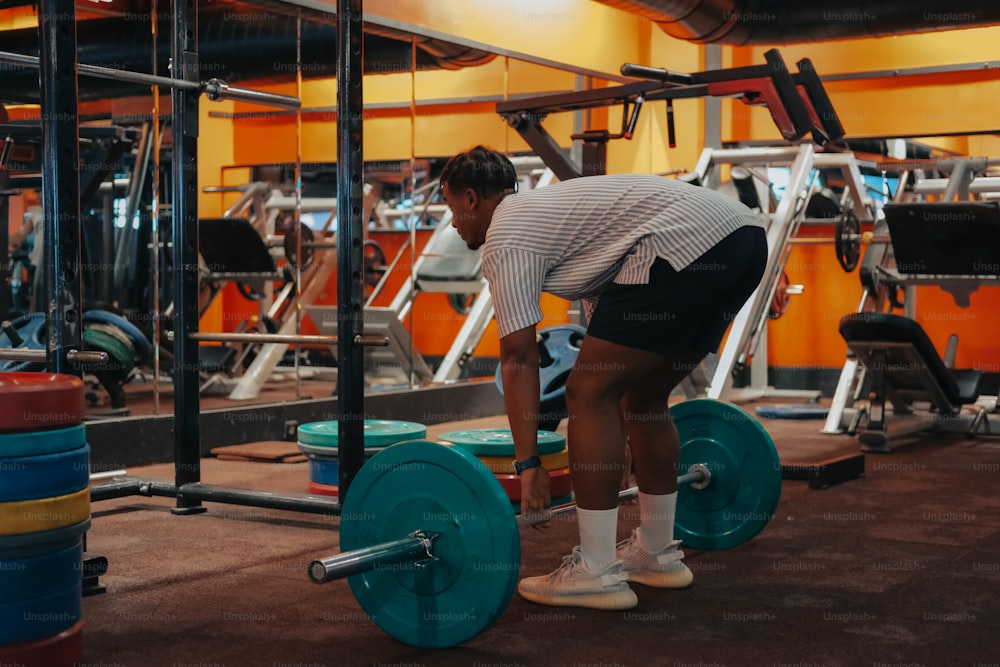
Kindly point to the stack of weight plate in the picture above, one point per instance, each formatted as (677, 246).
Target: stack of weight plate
(495, 449)
(44, 514)
(319, 440)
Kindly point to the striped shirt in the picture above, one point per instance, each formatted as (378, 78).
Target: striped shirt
(573, 238)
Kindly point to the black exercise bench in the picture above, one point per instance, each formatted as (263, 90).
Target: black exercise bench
(905, 368)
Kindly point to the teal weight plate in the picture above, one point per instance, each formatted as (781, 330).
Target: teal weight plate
(32, 544)
(33, 443)
(746, 475)
(499, 442)
(427, 486)
(44, 475)
(378, 433)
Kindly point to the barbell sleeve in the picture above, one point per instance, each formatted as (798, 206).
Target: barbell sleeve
(414, 547)
(88, 357)
(217, 90)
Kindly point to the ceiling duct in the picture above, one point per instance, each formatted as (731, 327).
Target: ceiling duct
(235, 45)
(741, 22)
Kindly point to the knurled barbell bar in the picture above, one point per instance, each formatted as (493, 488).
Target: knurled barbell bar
(431, 545)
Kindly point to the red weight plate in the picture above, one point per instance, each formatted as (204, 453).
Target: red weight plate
(40, 401)
(62, 650)
(559, 484)
(320, 489)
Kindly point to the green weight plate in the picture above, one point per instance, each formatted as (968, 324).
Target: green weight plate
(499, 442)
(423, 485)
(115, 333)
(315, 451)
(35, 443)
(105, 342)
(746, 475)
(378, 433)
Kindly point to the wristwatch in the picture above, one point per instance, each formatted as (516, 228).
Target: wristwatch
(530, 462)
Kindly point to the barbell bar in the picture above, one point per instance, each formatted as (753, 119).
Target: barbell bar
(419, 544)
(289, 339)
(214, 89)
(431, 545)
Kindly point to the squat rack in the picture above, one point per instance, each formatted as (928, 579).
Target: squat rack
(58, 69)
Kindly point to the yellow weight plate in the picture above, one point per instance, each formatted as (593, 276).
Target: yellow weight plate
(504, 465)
(33, 516)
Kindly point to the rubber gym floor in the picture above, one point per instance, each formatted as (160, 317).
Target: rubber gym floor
(899, 567)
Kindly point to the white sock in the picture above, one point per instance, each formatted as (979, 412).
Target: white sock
(598, 537)
(656, 520)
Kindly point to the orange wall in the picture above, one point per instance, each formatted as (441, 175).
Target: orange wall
(807, 334)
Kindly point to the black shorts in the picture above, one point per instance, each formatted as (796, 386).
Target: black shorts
(680, 313)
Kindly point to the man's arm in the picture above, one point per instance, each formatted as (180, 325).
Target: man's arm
(519, 370)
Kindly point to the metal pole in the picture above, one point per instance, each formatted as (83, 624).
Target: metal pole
(62, 291)
(215, 89)
(350, 204)
(184, 234)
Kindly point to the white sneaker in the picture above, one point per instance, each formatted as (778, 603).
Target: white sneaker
(573, 585)
(662, 569)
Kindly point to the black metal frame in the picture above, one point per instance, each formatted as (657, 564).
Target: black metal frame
(187, 488)
(798, 104)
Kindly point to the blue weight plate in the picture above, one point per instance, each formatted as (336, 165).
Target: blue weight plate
(27, 620)
(423, 485)
(746, 475)
(378, 433)
(324, 472)
(36, 443)
(26, 545)
(40, 575)
(500, 442)
(562, 345)
(318, 451)
(44, 475)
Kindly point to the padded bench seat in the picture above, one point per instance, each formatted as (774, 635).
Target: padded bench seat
(904, 368)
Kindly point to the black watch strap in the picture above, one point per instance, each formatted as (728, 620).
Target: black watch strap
(530, 462)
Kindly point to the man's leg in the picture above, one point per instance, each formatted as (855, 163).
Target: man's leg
(592, 577)
(650, 556)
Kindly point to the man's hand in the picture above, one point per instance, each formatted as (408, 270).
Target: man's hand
(535, 495)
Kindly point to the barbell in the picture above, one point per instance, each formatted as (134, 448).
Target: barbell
(847, 239)
(431, 546)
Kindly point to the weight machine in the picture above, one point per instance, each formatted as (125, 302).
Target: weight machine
(798, 105)
(954, 243)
